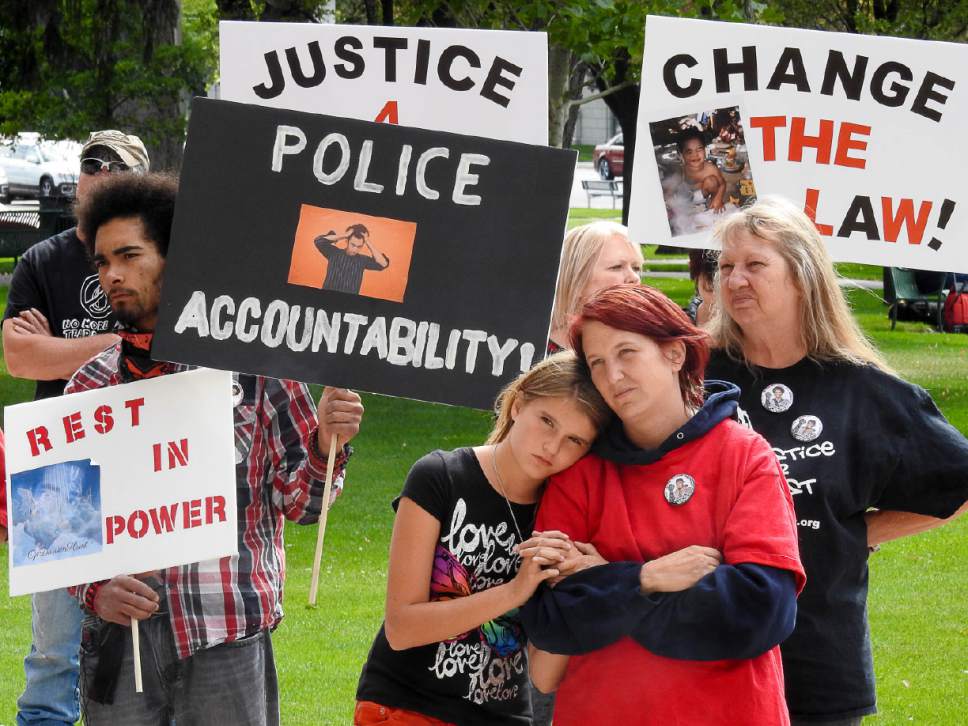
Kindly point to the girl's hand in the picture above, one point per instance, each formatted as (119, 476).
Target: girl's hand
(541, 556)
(679, 570)
(535, 569)
(551, 539)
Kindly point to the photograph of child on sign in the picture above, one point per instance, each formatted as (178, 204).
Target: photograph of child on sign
(56, 512)
(703, 167)
(353, 253)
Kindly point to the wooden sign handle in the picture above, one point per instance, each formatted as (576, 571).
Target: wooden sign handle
(136, 648)
(321, 528)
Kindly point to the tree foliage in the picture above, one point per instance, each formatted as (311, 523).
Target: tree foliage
(922, 19)
(72, 66)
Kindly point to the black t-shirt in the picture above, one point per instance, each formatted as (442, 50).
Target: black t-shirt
(848, 438)
(480, 677)
(344, 272)
(56, 278)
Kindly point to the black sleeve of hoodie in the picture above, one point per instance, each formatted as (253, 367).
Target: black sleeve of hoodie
(588, 610)
(734, 612)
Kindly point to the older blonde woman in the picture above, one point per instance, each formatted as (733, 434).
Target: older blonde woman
(594, 256)
(867, 456)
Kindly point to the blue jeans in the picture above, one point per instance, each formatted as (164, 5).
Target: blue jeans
(50, 697)
(230, 683)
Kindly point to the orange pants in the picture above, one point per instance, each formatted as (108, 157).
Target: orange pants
(371, 714)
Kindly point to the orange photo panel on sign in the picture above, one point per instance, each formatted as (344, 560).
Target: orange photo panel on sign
(353, 253)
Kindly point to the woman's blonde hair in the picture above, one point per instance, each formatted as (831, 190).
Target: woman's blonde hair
(579, 253)
(829, 331)
(558, 376)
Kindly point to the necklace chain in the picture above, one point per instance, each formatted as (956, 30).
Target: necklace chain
(500, 483)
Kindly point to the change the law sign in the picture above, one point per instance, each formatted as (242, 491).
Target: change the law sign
(484, 82)
(393, 259)
(865, 133)
(120, 480)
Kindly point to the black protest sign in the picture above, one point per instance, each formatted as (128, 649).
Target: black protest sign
(389, 259)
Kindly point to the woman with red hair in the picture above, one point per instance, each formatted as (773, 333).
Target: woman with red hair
(678, 620)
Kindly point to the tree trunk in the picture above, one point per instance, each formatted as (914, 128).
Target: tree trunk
(164, 114)
(105, 33)
(624, 103)
(559, 71)
(576, 84)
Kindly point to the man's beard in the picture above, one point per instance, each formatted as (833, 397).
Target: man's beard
(133, 311)
(130, 315)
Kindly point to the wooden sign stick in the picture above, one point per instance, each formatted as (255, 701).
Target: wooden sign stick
(321, 527)
(136, 647)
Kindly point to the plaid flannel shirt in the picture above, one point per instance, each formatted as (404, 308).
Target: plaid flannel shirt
(279, 473)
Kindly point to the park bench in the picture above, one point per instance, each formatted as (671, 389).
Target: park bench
(23, 227)
(602, 188)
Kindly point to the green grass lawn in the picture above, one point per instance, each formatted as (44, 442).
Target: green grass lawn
(919, 587)
(585, 216)
(849, 270)
(584, 151)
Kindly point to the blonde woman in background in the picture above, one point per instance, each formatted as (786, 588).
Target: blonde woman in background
(594, 256)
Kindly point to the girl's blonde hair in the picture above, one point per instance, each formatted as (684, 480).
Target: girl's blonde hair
(558, 376)
(829, 331)
(579, 253)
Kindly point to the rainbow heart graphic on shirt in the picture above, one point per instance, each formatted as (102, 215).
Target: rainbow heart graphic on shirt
(449, 580)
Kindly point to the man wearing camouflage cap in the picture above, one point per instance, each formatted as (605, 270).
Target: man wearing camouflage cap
(57, 318)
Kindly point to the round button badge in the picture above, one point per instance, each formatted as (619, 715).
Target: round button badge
(776, 398)
(237, 393)
(806, 428)
(679, 489)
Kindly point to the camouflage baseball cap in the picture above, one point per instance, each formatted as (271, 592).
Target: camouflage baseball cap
(127, 146)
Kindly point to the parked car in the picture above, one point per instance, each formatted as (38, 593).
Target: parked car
(34, 170)
(609, 158)
(4, 187)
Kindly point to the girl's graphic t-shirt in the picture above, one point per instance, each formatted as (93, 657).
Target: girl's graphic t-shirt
(481, 676)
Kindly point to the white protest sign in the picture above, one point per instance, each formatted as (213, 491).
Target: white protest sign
(491, 83)
(120, 480)
(863, 132)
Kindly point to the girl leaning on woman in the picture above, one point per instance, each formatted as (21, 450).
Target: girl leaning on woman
(464, 558)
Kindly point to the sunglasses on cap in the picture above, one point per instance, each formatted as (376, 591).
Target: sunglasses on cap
(94, 166)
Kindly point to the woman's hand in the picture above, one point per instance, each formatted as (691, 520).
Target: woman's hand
(580, 556)
(679, 570)
(589, 556)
